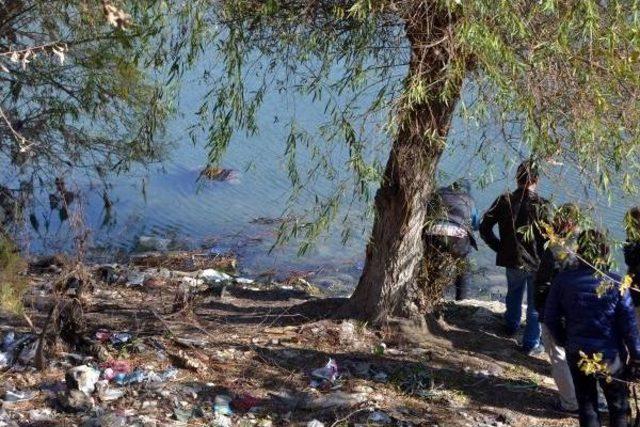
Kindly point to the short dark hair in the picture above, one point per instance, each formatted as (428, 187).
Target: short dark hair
(527, 173)
(594, 249)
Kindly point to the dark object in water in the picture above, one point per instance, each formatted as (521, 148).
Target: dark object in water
(218, 174)
(263, 220)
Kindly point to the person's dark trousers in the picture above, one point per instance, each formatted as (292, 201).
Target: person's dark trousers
(615, 392)
(463, 281)
(459, 248)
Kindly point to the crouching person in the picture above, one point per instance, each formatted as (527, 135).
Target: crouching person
(587, 312)
(452, 231)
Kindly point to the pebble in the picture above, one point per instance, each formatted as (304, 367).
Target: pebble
(149, 404)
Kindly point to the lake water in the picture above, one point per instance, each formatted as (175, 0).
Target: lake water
(222, 214)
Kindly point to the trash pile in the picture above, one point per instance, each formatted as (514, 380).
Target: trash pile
(150, 382)
(138, 357)
(109, 376)
(17, 348)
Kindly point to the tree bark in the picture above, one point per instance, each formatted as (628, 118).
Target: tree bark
(395, 250)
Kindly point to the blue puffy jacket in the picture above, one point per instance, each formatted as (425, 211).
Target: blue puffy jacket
(580, 320)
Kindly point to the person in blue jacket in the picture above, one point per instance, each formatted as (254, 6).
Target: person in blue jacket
(586, 311)
(632, 251)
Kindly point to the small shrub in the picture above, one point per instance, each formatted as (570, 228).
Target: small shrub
(13, 283)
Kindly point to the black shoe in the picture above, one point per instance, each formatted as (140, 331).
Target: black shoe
(557, 407)
(509, 332)
(535, 351)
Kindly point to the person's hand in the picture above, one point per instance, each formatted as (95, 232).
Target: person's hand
(633, 370)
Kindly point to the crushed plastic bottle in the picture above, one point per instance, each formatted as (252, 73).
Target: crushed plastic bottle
(17, 396)
(329, 372)
(121, 338)
(324, 378)
(164, 376)
(134, 377)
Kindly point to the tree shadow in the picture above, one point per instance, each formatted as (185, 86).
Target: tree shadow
(478, 330)
(275, 315)
(484, 392)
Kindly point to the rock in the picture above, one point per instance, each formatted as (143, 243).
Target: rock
(5, 420)
(135, 278)
(48, 264)
(381, 377)
(347, 332)
(82, 378)
(336, 399)
(182, 360)
(190, 342)
(379, 417)
(107, 420)
(211, 276)
(77, 401)
(107, 394)
(315, 423)
(153, 243)
(107, 273)
(28, 353)
(44, 415)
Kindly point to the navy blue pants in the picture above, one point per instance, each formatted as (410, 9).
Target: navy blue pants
(616, 393)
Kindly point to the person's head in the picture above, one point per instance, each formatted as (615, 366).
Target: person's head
(593, 248)
(527, 175)
(632, 224)
(566, 219)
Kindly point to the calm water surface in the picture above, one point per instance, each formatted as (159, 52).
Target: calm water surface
(175, 205)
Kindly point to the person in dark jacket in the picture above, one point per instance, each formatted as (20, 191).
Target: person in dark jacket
(452, 229)
(586, 311)
(518, 215)
(632, 251)
(559, 255)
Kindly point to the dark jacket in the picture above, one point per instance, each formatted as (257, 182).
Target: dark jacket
(632, 259)
(555, 259)
(458, 208)
(515, 213)
(452, 206)
(581, 321)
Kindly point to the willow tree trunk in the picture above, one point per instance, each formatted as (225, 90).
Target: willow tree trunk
(388, 285)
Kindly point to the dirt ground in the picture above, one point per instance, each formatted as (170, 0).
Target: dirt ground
(248, 345)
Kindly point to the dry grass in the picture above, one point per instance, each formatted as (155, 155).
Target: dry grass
(13, 283)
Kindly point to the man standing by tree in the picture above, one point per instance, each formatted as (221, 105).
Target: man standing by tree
(518, 249)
